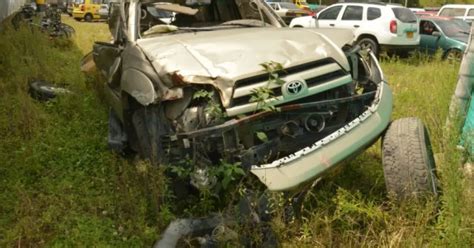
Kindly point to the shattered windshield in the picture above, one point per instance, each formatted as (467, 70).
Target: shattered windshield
(184, 15)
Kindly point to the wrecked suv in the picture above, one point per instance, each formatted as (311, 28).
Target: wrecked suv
(228, 81)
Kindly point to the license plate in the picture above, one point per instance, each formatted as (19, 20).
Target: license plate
(410, 35)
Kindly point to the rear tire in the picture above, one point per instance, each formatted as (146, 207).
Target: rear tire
(369, 43)
(408, 161)
(88, 18)
(453, 55)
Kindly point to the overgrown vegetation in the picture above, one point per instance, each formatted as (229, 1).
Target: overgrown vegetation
(61, 186)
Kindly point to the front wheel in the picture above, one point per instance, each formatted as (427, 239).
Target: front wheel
(408, 161)
(147, 127)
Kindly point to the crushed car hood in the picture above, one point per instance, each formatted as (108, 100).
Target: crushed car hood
(222, 57)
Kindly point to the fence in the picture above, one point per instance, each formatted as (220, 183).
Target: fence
(7, 7)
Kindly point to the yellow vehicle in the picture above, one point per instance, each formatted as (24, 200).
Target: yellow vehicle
(302, 4)
(40, 4)
(89, 10)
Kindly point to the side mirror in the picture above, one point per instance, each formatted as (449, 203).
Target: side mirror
(436, 33)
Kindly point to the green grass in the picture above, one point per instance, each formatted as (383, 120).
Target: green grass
(350, 209)
(60, 186)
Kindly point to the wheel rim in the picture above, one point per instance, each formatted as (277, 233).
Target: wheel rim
(367, 45)
(454, 55)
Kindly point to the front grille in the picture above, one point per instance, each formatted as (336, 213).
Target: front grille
(246, 99)
(321, 79)
(319, 76)
(292, 70)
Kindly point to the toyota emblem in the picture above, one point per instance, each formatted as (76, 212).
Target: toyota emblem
(294, 87)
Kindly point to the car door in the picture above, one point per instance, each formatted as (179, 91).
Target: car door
(351, 17)
(108, 56)
(328, 17)
(95, 7)
(108, 60)
(429, 36)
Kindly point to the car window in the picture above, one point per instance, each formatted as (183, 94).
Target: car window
(471, 12)
(404, 15)
(330, 14)
(427, 27)
(373, 13)
(452, 12)
(454, 28)
(353, 13)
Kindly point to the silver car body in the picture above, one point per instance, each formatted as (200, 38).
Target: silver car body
(156, 69)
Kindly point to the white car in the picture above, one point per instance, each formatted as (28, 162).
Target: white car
(415, 10)
(287, 10)
(460, 11)
(375, 26)
(104, 11)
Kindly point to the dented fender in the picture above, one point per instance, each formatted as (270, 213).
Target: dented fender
(139, 86)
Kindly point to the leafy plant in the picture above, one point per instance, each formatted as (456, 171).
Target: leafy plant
(262, 95)
(213, 107)
(203, 94)
(180, 171)
(228, 173)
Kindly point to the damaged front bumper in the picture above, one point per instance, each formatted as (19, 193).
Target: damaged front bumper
(311, 162)
(291, 156)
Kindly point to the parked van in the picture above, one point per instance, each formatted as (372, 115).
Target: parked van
(460, 11)
(89, 10)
